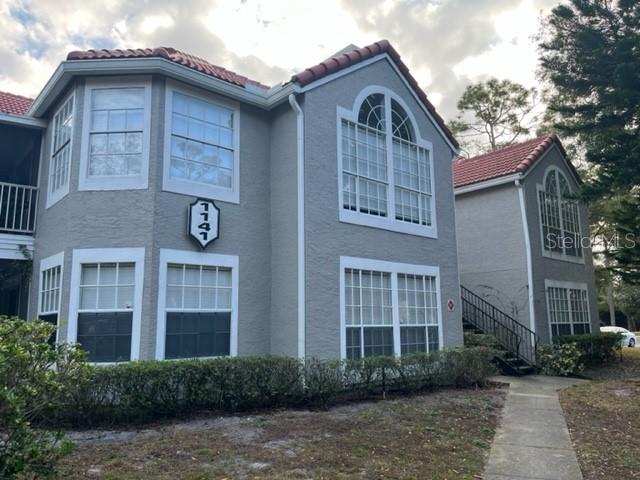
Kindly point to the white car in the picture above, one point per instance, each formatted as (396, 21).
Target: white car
(628, 338)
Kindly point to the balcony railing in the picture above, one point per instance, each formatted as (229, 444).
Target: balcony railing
(18, 208)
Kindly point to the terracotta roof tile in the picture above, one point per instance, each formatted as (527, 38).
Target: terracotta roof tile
(14, 104)
(173, 55)
(505, 161)
(346, 59)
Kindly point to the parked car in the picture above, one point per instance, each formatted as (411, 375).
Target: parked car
(628, 338)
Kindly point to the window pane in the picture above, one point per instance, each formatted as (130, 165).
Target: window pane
(413, 339)
(197, 334)
(378, 341)
(106, 336)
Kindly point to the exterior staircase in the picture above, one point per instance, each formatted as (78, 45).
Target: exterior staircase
(518, 341)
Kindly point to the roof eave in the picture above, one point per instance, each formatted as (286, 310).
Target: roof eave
(22, 121)
(489, 183)
(137, 66)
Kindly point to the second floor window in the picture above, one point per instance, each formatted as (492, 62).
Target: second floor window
(201, 152)
(386, 170)
(59, 166)
(116, 135)
(559, 217)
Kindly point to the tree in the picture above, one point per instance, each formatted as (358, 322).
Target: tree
(589, 58)
(34, 379)
(628, 297)
(494, 114)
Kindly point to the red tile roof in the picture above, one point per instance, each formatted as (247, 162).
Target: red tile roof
(14, 104)
(173, 55)
(506, 161)
(346, 59)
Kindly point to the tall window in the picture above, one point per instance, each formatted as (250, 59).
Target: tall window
(198, 311)
(559, 216)
(59, 166)
(201, 150)
(116, 135)
(390, 312)
(105, 312)
(386, 170)
(568, 309)
(50, 291)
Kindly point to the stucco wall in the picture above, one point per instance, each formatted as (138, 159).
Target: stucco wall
(553, 269)
(155, 219)
(326, 238)
(491, 248)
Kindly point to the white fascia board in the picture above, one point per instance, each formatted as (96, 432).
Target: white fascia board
(494, 182)
(22, 121)
(135, 66)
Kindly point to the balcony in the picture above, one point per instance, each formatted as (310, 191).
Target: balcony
(18, 208)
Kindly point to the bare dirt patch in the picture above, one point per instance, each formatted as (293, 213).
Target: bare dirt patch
(602, 417)
(442, 435)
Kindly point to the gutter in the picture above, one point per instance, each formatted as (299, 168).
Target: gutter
(65, 72)
(527, 243)
(300, 222)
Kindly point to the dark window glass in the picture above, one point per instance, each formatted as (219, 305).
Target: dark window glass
(581, 328)
(434, 339)
(106, 336)
(353, 343)
(52, 318)
(198, 334)
(560, 329)
(413, 339)
(378, 341)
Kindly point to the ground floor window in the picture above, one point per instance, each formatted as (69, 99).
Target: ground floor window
(49, 291)
(389, 309)
(197, 305)
(105, 305)
(568, 308)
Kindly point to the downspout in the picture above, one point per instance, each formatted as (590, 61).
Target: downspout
(300, 221)
(527, 244)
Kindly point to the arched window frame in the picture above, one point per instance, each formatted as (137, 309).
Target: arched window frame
(389, 221)
(559, 217)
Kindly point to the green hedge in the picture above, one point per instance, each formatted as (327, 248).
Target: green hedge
(594, 348)
(139, 392)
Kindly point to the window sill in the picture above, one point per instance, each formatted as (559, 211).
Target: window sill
(384, 223)
(563, 257)
(137, 182)
(195, 189)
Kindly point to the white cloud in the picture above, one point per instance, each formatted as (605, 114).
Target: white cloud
(446, 43)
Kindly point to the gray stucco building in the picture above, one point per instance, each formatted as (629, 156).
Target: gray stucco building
(523, 238)
(186, 211)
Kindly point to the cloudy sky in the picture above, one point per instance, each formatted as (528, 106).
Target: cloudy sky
(446, 43)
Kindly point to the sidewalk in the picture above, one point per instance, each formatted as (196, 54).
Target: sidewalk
(533, 441)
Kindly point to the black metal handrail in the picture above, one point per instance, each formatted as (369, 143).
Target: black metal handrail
(511, 334)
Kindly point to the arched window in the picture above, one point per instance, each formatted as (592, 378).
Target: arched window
(386, 170)
(559, 216)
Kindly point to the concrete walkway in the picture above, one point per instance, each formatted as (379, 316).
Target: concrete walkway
(533, 441)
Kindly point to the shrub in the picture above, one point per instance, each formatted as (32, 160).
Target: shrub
(595, 348)
(481, 340)
(560, 359)
(138, 392)
(34, 378)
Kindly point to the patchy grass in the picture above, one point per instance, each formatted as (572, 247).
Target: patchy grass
(602, 417)
(443, 435)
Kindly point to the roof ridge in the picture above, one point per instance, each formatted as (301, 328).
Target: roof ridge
(539, 138)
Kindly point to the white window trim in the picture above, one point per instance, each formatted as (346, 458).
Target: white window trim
(548, 283)
(53, 198)
(389, 222)
(394, 269)
(107, 255)
(115, 182)
(187, 187)
(168, 256)
(546, 253)
(53, 261)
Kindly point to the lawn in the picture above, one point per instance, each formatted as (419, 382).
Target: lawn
(441, 435)
(603, 416)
